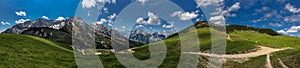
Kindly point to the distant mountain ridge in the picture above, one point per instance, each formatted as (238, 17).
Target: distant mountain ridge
(19, 28)
(61, 31)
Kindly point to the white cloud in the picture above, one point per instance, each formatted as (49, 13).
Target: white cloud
(291, 8)
(273, 13)
(140, 20)
(265, 8)
(88, 3)
(169, 26)
(142, 1)
(45, 17)
(102, 21)
(262, 9)
(198, 19)
(153, 20)
(5, 23)
(123, 27)
(275, 24)
(185, 16)
(230, 15)
(292, 18)
(282, 32)
(21, 13)
(219, 14)
(60, 19)
(286, 19)
(293, 29)
(139, 26)
(218, 19)
(112, 16)
(205, 3)
(105, 9)
(234, 7)
(21, 21)
(92, 3)
(110, 24)
(107, 1)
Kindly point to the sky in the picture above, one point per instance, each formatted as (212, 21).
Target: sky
(282, 16)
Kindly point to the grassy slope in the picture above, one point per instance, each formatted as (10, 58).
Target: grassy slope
(40, 52)
(290, 57)
(173, 46)
(27, 51)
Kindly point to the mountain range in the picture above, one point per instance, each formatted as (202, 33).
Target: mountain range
(61, 31)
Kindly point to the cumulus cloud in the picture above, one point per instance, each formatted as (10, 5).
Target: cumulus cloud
(21, 21)
(60, 19)
(171, 25)
(219, 14)
(45, 17)
(291, 8)
(293, 29)
(153, 20)
(168, 26)
(105, 9)
(218, 19)
(5, 23)
(102, 21)
(21, 13)
(234, 7)
(205, 3)
(112, 16)
(88, 3)
(282, 32)
(142, 1)
(110, 19)
(185, 16)
(93, 3)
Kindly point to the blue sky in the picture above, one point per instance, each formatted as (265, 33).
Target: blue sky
(35, 9)
(280, 15)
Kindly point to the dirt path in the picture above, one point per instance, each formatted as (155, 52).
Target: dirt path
(282, 64)
(263, 51)
(268, 62)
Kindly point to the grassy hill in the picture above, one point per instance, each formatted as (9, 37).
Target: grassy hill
(242, 41)
(291, 58)
(173, 46)
(28, 51)
(22, 51)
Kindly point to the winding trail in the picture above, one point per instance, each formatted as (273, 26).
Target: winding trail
(263, 51)
(282, 64)
(268, 62)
